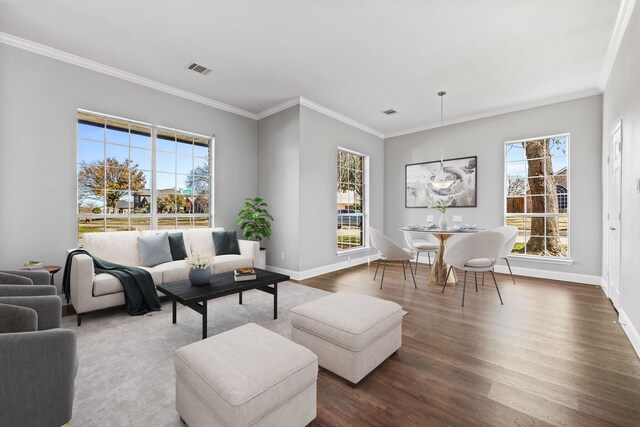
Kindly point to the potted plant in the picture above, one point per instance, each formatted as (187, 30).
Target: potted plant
(442, 206)
(254, 221)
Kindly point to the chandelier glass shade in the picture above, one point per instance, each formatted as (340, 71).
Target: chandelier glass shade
(441, 179)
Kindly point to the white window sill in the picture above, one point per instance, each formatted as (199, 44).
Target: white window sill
(353, 251)
(542, 260)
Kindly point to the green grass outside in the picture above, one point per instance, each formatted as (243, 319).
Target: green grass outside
(518, 248)
(350, 239)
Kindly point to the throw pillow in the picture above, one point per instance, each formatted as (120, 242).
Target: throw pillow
(226, 243)
(14, 279)
(154, 249)
(176, 243)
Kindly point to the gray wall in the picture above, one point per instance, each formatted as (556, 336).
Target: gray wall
(297, 151)
(320, 138)
(622, 102)
(39, 98)
(279, 184)
(485, 138)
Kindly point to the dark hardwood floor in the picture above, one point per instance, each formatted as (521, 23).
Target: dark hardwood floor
(554, 354)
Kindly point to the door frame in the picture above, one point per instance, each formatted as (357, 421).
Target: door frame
(613, 293)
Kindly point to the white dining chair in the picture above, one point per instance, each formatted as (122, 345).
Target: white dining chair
(477, 253)
(388, 250)
(509, 236)
(421, 242)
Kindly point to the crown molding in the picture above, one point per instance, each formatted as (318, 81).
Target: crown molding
(620, 27)
(69, 58)
(342, 118)
(320, 109)
(9, 39)
(512, 109)
(278, 107)
(60, 55)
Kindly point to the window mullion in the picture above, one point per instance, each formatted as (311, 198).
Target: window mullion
(154, 170)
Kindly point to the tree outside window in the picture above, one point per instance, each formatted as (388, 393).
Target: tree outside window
(536, 188)
(117, 177)
(351, 176)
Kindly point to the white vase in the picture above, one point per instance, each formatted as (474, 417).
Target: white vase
(444, 222)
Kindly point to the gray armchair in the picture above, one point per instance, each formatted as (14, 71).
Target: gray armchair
(39, 361)
(37, 277)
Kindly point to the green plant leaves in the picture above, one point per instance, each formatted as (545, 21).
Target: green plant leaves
(254, 218)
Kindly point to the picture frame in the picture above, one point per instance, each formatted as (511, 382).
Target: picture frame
(463, 193)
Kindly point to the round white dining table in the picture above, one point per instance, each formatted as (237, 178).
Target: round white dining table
(439, 268)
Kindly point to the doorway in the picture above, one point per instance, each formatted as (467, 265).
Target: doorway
(614, 216)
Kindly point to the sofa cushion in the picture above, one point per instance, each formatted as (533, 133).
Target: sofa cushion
(226, 242)
(154, 249)
(173, 271)
(105, 284)
(120, 247)
(226, 263)
(201, 240)
(178, 248)
(347, 319)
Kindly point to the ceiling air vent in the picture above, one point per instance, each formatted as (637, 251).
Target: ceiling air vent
(389, 112)
(200, 69)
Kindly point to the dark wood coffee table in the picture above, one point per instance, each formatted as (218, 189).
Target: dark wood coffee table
(223, 284)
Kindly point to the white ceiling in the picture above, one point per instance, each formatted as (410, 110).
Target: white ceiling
(356, 57)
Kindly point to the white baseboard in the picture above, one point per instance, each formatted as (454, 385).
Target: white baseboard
(630, 330)
(553, 275)
(293, 274)
(306, 274)
(605, 286)
(501, 267)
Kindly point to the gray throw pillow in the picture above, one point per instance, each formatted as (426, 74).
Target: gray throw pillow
(14, 279)
(154, 249)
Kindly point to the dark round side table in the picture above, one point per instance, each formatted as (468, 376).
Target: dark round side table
(52, 269)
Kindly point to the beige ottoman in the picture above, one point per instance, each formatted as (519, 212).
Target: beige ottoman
(248, 376)
(350, 333)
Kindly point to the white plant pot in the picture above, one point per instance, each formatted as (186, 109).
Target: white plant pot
(444, 222)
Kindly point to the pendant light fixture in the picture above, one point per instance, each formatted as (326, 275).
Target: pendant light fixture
(441, 179)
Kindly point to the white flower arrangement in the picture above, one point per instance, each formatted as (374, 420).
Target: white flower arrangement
(200, 261)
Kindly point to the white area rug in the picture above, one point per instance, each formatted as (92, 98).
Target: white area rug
(126, 373)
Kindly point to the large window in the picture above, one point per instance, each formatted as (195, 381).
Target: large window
(537, 195)
(137, 176)
(351, 200)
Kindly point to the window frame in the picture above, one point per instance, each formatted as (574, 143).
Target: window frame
(364, 214)
(567, 195)
(153, 214)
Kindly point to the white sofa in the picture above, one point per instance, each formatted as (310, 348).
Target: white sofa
(90, 291)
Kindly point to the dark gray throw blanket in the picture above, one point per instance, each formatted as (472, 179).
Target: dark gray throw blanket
(140, 294)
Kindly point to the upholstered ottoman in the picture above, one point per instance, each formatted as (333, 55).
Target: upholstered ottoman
(248, 376)
(350, 333)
